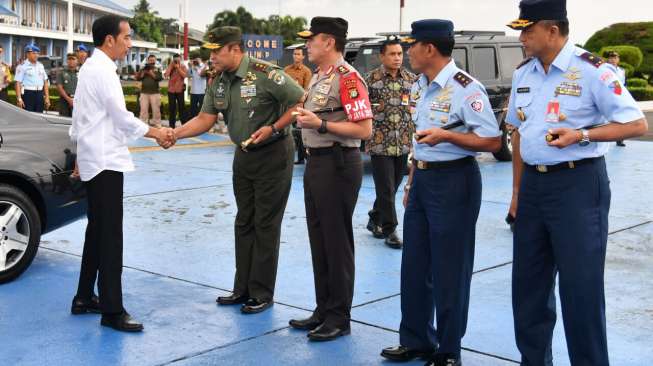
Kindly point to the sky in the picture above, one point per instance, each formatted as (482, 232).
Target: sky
(367, 17)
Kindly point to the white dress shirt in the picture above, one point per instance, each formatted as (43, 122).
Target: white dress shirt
(102, 126)
(198, 82)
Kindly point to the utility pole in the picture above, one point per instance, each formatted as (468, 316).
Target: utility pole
(401, 14)
(185, 18)
(70, 26)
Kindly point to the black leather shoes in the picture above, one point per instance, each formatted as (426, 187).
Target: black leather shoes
(405, 354)
(81, 306)
(375, 229)
(444, 359)
(393, 241)
(232, 299)
(326, 332)
(309, 323)
(255, 306)
(122, 322)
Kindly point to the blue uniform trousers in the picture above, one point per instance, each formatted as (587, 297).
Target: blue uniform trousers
(438, 256)
(561, 228)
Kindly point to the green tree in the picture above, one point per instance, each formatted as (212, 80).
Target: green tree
(148, 25)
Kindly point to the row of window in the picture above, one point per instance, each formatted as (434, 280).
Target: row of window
(82, 19)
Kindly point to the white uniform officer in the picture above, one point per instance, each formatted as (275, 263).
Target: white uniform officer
(32, 82)
(561, 192)
(454, 120)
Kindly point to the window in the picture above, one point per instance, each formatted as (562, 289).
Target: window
(510, 58)
(485, 63)
(460, 57)
(62, 18)
(29, 13)
(45, 18)
(77, 20)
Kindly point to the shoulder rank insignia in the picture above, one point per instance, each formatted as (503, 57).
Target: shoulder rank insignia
(524, 62)
(592, 59)
(342, 69)
(462, 79)
(261, 67)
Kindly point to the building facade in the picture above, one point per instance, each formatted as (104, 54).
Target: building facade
(57, 27)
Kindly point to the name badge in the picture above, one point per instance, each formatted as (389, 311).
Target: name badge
(324, 88)
(248, 91)
(441, 107)
(523, 90)
(405, 99)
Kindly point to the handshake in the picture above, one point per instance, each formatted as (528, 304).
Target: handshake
(165, 137)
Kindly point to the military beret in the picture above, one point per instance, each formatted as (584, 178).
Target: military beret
(32, 48)
(532, 11)
(82, 48)
(334, 26)
(220, 36)
(430, 29)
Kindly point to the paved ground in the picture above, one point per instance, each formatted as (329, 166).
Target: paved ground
(179, 256)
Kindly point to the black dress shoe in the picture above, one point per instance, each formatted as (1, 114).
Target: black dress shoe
(309, 323)
(232, 299)
(254, 306)
(326, 332)
(405, 354)
(122, 322)
(444, 359)
(375, 229)
(393, 241)
(81, 306)
(621, 143)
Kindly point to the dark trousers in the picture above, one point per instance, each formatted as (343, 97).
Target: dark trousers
(195, 104)
(561, 227)
(176, 104)
(388, 173)
(102, 257)
(34, 101)
(64, 108)
(4, 95)
(299, 143)
(438, 256)
(330, 194)
(261, 182)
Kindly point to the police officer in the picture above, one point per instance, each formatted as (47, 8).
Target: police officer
(66, 85)
(454, 120)
(32, 82)
(333, 174)
(256, 99)
(5, 77)
(82, 54)
(561, 191)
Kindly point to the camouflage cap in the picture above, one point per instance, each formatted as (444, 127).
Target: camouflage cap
(221, 36)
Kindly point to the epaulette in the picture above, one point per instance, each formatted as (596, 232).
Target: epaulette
(524, 62)
(342, 70)
(462, 79)
(263, 67)
(592, 59)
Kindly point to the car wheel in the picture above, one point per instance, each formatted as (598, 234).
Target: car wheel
(20, 229)
(505, 154)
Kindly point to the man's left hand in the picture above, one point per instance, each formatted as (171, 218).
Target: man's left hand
(566, 137)
(47, 102)
(262, 134)
(308, 119)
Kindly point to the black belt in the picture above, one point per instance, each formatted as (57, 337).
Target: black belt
(430, 165)
(562, 166)
(317, 151)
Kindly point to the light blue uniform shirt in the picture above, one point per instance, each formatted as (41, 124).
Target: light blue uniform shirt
(620, 72)
(31, 75)
(451, 97)
(586, 94)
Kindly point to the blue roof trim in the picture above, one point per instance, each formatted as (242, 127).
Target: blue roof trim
(5, 11)
(110, 5)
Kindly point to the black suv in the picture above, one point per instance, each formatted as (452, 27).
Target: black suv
(490, 57)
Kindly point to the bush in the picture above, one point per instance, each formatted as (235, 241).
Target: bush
(630, 71)
(636, 83)
(633, 34)
(641, 93)
(629, 54)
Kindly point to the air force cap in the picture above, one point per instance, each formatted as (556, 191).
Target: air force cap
(532, 11)
(32, 48)
(430, 29)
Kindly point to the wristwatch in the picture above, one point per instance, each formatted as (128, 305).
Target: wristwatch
(407, 187)
(323, 127)
(275, 131)
(585, 140)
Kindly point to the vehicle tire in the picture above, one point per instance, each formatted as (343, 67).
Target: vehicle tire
(20, 229)
(505, 154)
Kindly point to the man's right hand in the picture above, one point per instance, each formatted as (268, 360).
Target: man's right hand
(71, 102)
(21, 104)
(405, 199)
(512, 211)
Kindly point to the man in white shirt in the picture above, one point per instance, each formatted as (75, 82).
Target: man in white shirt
(102, 127)
(197, 76)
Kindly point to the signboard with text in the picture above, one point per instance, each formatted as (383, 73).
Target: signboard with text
(268, 48)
